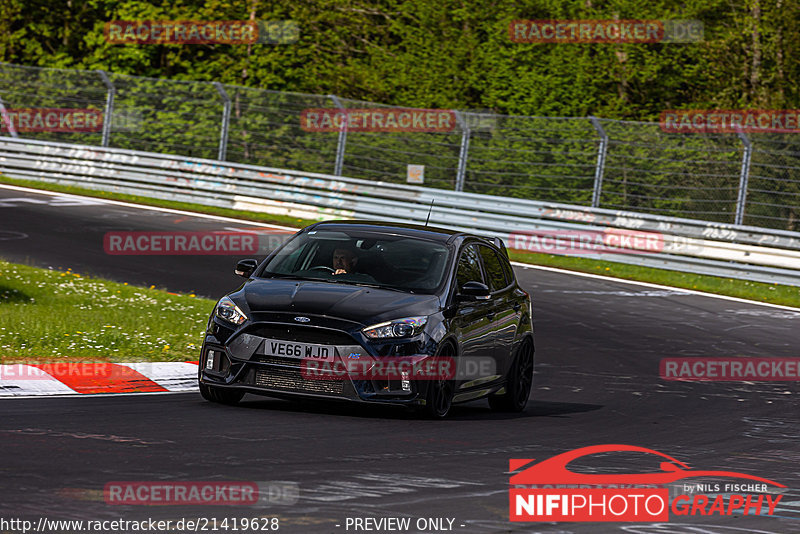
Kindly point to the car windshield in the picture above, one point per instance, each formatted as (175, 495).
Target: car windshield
(362, 257)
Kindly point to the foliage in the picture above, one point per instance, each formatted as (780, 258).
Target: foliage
(441, 54)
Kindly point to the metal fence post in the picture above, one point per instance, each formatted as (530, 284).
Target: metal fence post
(109, 107)
(341, 144)
(599, 169)
(226, 119)
(463, 153)
(7, 120)
(744, 175)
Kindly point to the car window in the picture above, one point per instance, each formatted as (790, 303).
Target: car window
(469, 266)
(508, 270)
(494, 269)
(375, 258)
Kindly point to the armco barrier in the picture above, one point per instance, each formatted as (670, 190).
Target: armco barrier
(748, 253)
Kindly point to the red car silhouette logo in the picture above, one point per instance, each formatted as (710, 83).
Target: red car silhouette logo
(554, 470)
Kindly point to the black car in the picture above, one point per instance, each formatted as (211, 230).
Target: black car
(361, 295)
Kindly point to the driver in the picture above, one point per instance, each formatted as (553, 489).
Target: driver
(344, 260)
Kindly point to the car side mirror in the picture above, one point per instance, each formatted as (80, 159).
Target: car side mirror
(245, 268)
(474, 291)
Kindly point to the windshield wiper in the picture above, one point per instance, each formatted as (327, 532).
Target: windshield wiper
(376, 286)
(287, 276)
(335, 281)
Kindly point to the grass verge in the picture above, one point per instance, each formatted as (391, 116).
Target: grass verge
(48, 315)
(772, 293)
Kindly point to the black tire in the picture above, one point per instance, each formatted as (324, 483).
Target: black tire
(221, 396)
(439, 398)
(520, 381)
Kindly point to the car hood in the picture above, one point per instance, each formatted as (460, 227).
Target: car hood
(365, 305)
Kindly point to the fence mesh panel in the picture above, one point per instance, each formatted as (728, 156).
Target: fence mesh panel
(24, 88)
(773, 192)
(265, 130)
(385, 156)
(176, 117)
(689, 175)
(539, 158)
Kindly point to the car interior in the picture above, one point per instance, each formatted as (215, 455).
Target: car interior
(400, 263)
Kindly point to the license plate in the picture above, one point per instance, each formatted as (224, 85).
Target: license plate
(290, 349)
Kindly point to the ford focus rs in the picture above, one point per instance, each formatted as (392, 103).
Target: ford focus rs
(374, 312)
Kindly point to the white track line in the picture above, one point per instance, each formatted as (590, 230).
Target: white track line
(22, 380)
(658, 286)
(151, 208)
(96, 395)
(29, 381)
(518, 264)
(174, 376)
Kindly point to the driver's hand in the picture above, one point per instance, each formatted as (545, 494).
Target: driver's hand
(339, 271)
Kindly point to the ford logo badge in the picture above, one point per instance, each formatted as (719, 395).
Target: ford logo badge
(302, 319)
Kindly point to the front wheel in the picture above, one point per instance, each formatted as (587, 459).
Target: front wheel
(518, 385)
(219, 395)
(441, 390)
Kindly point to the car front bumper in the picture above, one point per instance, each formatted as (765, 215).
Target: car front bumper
(240, 361)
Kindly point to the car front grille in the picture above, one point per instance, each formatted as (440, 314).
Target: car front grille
(291, 380)
(301, 334)
(282, 373)
(278, 360)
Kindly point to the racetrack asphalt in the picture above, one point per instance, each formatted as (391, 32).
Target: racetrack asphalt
(598, 347)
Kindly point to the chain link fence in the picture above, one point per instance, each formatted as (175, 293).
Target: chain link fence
(751, 179)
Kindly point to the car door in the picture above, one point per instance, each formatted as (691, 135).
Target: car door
(505, 310)
(473, 323)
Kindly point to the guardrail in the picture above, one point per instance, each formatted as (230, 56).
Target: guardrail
(700, 247)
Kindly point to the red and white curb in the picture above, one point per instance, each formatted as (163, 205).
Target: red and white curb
(91, 378)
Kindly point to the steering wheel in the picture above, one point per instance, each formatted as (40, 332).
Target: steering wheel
(323, 267)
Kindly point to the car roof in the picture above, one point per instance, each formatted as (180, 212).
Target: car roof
(435, 233)
(412, 230)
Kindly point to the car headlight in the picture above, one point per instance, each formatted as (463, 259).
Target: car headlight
(410, 326)
(228, 311)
